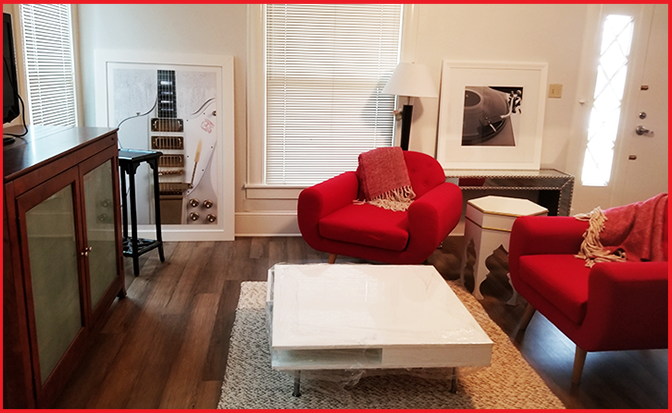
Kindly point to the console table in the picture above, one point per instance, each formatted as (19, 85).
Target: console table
(554, 187)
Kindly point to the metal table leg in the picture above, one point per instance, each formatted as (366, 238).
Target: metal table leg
(453, 381)
(297, 384)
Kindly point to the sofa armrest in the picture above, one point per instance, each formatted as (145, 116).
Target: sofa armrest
(432, 216)
(322, 199)
(531, 235)
(632, 294)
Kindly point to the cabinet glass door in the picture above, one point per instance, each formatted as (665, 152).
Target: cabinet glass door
(52, 251)
(99, 205)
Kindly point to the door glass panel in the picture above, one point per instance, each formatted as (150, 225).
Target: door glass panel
(53, 269)
(606, 111)
(100, 229)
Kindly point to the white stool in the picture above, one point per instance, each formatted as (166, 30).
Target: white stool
(488, 223)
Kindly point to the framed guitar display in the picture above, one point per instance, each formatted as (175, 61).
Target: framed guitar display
(181, 106)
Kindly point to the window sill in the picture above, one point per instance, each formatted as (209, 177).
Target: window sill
(262, 191)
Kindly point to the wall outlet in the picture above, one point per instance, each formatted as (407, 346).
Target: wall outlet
(555, 90)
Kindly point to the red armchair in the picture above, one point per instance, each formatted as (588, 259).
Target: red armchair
(330, 222)
(611, 306)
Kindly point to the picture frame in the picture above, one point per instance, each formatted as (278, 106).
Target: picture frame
(126, 96)
(491, 115)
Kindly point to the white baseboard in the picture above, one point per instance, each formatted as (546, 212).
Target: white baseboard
(186, 233)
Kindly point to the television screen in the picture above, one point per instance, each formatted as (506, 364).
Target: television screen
(10, 98)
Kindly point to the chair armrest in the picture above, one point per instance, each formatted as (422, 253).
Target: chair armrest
(322, 199)
(633, 295)
(432, 216)
(533, 235)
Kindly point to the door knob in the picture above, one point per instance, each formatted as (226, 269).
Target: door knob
(641, 130)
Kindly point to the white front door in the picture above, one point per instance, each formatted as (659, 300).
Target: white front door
(639, 169)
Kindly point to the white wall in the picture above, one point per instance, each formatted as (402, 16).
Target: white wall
(518, 33)
(504, 33)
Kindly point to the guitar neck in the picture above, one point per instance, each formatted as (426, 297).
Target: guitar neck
(167, 95)
(166, 107)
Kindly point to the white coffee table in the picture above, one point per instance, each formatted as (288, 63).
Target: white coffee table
(357, 316)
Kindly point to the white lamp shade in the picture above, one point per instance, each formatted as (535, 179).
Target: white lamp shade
(411, 79)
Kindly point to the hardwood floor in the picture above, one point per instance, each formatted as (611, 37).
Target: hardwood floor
(165, 345)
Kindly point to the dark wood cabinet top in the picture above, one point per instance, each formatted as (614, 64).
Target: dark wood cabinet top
(43, 144)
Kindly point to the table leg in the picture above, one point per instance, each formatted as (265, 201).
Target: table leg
(453, 381)
(134, 221)
(157, 206)
(297, 384)
(124, 212)
(514, 297)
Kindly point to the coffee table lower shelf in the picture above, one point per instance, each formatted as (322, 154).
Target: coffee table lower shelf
(296, 392)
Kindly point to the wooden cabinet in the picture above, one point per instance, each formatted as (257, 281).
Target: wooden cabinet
(62, 254)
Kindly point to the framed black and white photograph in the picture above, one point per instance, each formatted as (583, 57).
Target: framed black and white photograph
(491, 115)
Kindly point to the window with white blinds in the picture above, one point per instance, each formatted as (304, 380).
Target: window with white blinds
(49, 63)
(326, 66)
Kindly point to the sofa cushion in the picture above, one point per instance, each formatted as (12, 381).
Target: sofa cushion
(562, 278)
(367, 225)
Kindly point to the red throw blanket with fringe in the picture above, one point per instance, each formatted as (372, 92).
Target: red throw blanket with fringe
(384, 179)
(634, 232)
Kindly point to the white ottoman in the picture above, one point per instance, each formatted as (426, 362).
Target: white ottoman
(488, 223)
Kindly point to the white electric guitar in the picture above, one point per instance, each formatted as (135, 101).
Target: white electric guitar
(187, 168)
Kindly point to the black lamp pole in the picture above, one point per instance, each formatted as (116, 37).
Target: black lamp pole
(406, 118)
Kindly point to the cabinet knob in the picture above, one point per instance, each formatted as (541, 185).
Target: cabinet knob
(86, 251)
(208, 203)
(193, 202)
(211, 218)
(194, 216)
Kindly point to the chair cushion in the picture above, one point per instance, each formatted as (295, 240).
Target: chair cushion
(367, 225)
(425, 172)
(562, 279)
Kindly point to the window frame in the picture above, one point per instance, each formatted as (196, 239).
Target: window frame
(254, 186)
(21, 62)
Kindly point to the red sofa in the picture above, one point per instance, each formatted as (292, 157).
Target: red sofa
(611, 306)
(330, 222)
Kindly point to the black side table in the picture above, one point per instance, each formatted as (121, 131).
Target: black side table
(129, 160)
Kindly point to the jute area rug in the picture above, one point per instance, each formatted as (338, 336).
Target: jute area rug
(250, 383)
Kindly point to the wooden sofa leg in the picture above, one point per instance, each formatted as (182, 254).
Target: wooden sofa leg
(527, 316)
(332, 258)
(579, 361)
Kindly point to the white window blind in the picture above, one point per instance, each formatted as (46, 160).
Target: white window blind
(49, 63)
(326, 66)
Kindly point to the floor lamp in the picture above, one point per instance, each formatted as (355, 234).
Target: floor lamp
(410, 80)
